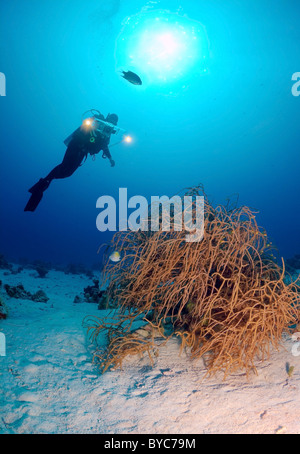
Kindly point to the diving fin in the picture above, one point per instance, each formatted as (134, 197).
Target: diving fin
(34, 200)
(36, 194)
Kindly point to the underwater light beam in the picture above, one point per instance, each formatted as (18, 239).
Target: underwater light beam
(163, 52)
(168, 43)
(162, 46)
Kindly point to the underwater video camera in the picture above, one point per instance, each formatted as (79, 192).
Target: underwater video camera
(94, 123)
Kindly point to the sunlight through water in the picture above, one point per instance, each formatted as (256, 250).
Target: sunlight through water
(162, 47)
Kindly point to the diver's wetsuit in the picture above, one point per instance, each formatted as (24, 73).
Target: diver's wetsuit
(78, 149)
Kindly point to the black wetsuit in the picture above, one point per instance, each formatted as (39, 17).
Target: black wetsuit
(81, 144)
(78, 149)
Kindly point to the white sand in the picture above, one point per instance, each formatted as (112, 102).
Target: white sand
(48, 384)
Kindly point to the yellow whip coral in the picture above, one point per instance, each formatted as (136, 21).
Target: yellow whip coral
(225, 296)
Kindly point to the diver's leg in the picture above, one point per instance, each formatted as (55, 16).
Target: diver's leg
(41, 185)
(72, 160)
(61, 171)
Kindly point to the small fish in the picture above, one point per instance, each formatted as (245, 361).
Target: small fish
(291, 371)
(131, 77)
(115, 257)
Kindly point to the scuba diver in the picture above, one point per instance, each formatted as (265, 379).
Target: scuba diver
(90, 138)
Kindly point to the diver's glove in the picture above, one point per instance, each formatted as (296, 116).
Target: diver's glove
(112, 162)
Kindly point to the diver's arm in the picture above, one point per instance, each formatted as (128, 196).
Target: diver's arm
(107, 154)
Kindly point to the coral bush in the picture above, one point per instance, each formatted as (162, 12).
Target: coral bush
(94, 294)
(41, 271)
(4, 265)
(224, 297)
(3, 309)
(19, 292)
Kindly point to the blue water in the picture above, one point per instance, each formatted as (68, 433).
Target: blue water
(225, 118)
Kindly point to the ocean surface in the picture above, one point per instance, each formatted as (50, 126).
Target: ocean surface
(216, 107)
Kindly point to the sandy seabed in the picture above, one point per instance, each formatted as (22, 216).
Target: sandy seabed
(49, 384)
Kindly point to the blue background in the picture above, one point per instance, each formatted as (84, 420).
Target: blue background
(234, 129)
